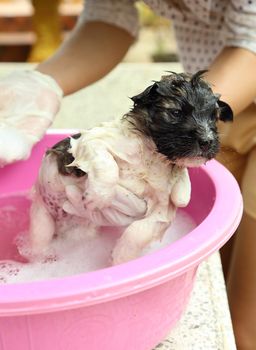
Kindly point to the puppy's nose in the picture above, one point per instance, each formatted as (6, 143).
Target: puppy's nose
(205, 144)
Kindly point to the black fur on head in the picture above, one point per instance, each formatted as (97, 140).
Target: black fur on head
(180, 113)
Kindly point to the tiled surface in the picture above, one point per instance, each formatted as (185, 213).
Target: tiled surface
(206, 323)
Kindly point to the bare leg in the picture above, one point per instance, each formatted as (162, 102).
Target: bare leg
(226, 255)
(241, 285)
(235, 163)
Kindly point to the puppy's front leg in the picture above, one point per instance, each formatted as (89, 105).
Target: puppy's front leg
(137, 236)
(181, 190)
(42, 229)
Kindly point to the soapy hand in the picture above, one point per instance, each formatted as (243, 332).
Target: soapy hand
(29, 101)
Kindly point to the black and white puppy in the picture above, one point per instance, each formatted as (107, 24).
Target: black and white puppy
(130, 172)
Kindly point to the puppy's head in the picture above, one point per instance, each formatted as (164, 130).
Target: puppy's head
(180, 113)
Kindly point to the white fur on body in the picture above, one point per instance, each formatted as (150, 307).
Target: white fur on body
(124, 170)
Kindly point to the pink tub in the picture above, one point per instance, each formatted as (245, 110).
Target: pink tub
(128, 307)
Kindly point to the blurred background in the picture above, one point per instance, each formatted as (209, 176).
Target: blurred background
(31, 30)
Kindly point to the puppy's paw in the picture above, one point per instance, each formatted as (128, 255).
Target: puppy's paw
(97, 199)
(123, 253)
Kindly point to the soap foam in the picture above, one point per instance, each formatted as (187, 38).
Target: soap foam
(78, 252)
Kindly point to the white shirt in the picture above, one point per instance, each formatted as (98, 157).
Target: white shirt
(203, 27)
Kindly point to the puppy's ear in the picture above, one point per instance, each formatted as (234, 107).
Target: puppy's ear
(225, 112)
(146, 96)
(197, 76)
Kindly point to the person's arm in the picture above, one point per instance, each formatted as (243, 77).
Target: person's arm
(30, 99)
(92, 50)
(233, 75)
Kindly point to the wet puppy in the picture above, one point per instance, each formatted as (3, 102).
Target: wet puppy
(132, 172)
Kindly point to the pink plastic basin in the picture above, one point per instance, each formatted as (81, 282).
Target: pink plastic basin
(128, 307)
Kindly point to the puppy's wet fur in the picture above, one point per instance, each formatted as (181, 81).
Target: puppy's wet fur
(179, 113)
(64, 158)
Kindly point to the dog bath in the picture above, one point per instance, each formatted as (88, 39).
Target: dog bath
(70, 254)
(130, 306)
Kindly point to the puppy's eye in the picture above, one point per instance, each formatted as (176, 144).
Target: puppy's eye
(176, 112)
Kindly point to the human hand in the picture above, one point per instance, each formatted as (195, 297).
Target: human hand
(29, 101)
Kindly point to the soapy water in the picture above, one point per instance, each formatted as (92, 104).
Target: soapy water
(71, 253)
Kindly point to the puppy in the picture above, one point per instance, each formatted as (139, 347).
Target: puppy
(131, 173)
